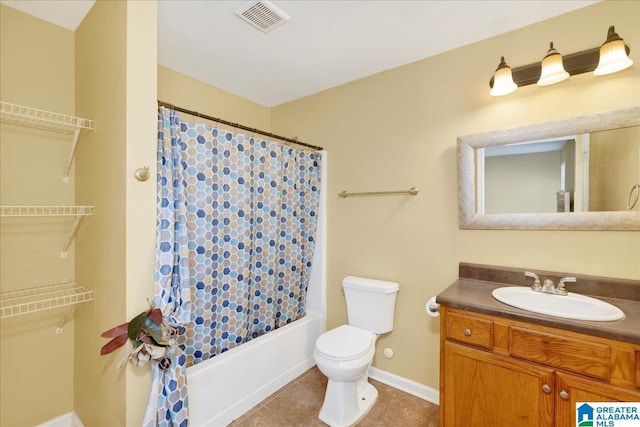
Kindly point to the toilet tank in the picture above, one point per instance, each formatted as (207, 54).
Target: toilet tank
(370, 303)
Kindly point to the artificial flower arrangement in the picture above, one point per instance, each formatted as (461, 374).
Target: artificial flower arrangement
(150, 336)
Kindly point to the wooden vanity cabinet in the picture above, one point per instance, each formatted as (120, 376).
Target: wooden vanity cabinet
(500, 372)
(573, 388)
(485, 389)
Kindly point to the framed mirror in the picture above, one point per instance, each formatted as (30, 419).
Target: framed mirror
(581, 173)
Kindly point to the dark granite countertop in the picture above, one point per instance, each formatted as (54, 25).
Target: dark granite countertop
(472, 291)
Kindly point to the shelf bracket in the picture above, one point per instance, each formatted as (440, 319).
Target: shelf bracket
(61, 323)
(76, 135)
(74, 227)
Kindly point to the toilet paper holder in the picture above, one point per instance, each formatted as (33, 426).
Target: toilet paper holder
(432, 307)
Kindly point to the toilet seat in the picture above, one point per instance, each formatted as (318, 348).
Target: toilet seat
(345, 343)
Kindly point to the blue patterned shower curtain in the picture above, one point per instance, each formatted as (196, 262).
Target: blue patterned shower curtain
(237, 217)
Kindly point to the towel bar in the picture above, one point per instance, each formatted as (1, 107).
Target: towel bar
(410, 192)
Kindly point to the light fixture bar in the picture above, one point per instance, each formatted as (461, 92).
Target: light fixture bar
(575, 63)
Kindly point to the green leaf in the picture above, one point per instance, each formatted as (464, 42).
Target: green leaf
(136, 324)
(154, 330)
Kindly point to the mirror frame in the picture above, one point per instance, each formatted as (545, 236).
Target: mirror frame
(469, 219)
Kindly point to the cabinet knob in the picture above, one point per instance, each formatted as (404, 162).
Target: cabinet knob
(546, 388)
(564, 395)
(467, 332)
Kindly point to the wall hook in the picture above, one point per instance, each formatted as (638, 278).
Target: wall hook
(142, 174)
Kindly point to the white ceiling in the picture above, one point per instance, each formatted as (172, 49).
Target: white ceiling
(325, 44)
(65, 13)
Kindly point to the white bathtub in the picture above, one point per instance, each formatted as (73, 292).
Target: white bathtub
(226, 386)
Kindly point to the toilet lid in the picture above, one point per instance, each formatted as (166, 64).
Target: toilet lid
(345, 342)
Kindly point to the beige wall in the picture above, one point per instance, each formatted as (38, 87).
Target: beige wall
(101, 182)
(36, 364)
(186, 92)
(398, 129)
(116, 86)
(142, 129)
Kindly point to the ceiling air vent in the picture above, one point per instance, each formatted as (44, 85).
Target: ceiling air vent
(262, 15)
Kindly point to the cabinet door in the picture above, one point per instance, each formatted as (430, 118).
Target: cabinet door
(484, 389)
(571, 389)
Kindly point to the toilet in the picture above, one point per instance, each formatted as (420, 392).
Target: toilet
(345, 353)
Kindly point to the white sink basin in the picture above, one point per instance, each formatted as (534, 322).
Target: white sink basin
(571, 306)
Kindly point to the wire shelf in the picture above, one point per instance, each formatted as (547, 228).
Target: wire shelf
(43, 297)
(41, 119)
(9, 211)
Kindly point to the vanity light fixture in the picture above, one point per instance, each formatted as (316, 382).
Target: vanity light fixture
(552, 68)
(611, 57)
(614, 54)
(502, 80)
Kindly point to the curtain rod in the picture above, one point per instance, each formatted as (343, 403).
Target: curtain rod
(238, 126)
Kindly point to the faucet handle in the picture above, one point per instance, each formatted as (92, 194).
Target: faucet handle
(536, 280)
(560, 289)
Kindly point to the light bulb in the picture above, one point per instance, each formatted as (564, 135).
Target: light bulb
(613, 55)
(503, 80)
(552, 68)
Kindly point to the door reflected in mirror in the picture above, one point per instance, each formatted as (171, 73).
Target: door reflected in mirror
(590, 172)
(576, 197)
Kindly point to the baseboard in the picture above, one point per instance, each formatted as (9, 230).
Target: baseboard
(409, 386)
(67, 420)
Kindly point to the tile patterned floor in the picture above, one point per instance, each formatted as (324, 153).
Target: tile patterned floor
(298, 403)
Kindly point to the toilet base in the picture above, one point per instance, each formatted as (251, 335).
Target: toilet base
(345, 403)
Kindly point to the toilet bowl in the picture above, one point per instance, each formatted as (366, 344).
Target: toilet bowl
(344, 354)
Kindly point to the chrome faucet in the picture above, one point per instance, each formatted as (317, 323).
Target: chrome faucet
(547, 286)
(537, 286)
(560, 289)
